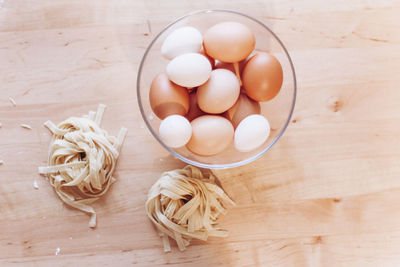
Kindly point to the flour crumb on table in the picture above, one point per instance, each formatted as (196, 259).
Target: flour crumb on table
(26, 126)
(12, 101)
(146, 27)
(57, 251)
(35, 185)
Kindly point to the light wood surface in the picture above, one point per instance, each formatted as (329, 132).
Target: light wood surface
(327, 194)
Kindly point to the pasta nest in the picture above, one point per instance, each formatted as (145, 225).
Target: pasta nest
(184, 204)
(81, 161)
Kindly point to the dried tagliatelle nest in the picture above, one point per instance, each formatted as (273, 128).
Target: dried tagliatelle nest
(184, 204)
(82, 159)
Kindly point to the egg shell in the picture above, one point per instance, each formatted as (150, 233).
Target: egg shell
(219, 93)
(167, 98)
(194, 110)
(243, 107)
(229, 41)
(251, 133)
(211, 134)
(189, 70)
(181, 41)
(175, 131)
(262, 77)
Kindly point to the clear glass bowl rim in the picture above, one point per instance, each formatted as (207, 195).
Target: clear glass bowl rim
(192, 162)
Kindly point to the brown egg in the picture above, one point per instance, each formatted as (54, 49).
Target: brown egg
(212, 61)
(224, 65)
(262, 77)
(168, 98)
(211, 134)
(229, 66)
(229, 41)
(243, 107)
(194, 110)
(219, 93)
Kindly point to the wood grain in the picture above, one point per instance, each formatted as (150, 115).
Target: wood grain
(326, 195)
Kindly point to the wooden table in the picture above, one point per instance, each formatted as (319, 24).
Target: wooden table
(328, 194)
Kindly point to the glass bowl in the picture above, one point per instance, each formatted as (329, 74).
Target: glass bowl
(278, 111)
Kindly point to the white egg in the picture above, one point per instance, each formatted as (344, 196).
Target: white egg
(251, 133)
(181, 41)
(175, 131)
(189, 70)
